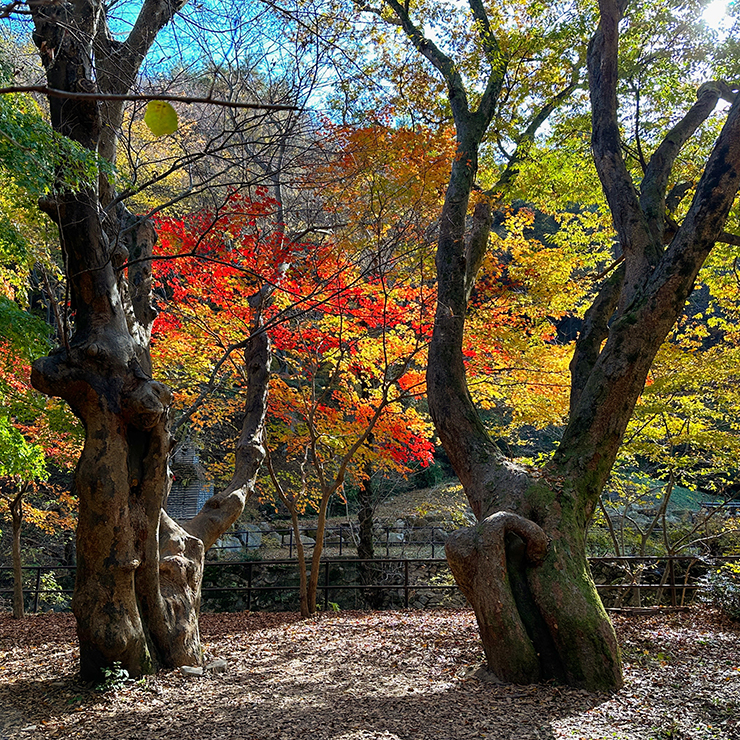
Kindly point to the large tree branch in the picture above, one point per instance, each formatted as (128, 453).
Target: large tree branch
(476, 243)
(153, 17)
(705, 221)
(117, 64)
(140, 97)
(221, 510)
(655, 183)
(598, 420)
(640, 250)
(526, 138)
(492, 51)
(445, 66)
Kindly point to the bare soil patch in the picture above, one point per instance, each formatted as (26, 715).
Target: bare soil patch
(372, 676)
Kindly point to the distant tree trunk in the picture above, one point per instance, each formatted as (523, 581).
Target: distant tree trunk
(365, 546)
(366, 517)
(318, 548)
(139, 573)
(302, 572)
(16, 514)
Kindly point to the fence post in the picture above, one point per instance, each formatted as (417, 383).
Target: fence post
(673, 580)
(387, 536)
(38, 586)
(340, 540)
(406, 584)
(433, 529)
(290, 543)
(249, 586)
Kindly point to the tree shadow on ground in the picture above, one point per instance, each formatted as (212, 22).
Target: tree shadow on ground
(316, 706)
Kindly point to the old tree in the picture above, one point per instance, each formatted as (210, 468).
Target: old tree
(523, 566)
(139, 573)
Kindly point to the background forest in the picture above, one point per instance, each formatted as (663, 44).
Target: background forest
(311, 218)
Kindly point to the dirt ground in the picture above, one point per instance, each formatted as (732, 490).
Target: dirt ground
(371, 676)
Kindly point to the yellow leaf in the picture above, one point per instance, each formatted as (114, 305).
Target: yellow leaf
(161, 118)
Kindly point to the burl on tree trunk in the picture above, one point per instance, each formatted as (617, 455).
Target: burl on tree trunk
(523, 566)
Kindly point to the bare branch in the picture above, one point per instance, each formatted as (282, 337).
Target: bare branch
(53, 93)
(654, 184)
(727, 238)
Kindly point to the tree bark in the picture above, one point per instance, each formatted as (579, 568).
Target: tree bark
(368, 571)
(523, 566)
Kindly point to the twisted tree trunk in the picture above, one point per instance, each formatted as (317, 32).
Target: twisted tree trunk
(523, 566)
(139, 573)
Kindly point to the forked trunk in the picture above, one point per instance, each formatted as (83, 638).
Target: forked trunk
(523, 566)
(139, 573)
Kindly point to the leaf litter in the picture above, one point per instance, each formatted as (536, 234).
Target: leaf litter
(402, 675)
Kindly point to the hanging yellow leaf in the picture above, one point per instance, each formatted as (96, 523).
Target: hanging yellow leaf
(161, 118)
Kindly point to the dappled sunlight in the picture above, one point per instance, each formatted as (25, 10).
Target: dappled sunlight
(374, 675)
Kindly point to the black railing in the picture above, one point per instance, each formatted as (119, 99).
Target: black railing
(339, 539)
(397, 580)
(39, 588)
(404, 571)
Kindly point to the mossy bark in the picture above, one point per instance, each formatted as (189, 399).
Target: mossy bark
(537, 608)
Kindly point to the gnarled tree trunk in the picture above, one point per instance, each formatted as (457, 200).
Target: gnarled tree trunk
(139, 573)
(523, 566)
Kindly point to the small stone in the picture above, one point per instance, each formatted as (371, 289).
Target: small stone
(481, 673)
(58, 684)
(191, 670)
(29, 728)
(217, 666)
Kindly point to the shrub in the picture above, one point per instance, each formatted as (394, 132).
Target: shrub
(721, 588)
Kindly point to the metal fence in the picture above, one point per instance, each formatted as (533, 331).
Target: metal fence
(381, 583)
(389, 540)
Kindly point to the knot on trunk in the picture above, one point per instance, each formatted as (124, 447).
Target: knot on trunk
(479, 559)
(147, 403)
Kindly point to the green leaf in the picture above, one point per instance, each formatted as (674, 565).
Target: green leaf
(161, 118)
(18, 457)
